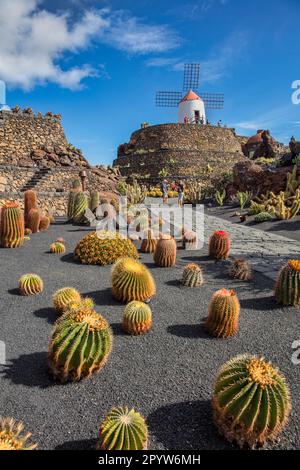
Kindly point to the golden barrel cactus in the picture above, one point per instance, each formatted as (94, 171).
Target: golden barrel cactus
(287, 288)
(12, 436)
(219, 245)
(223, 314)
(137, 318)
(131, 280)
(30, 284)
(165, 251)
(63, 297)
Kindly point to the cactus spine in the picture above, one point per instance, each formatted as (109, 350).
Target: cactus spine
(287, 288)
(80, 206)
(165, 252)
(131, 280)
(137, 318)
(240, 269)
(63, 297)
(12, 437)
(223, 314)
(192, 275)
(12, 226)
(30, 284)
(123, 430)
(219, 245)
(30, 202)
(251, 401)
(34, 218)
(149, 242)
(57, 247)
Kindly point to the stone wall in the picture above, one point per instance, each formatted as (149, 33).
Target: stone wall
(182, 149)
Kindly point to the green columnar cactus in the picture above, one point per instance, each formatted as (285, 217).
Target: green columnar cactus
(287, 288)
(76, 184)
(94, 200)
(12, 436)
(71, 204)
(219, 245)
(80, 206)
(251, 401)
(123, 430)
(223, 314)
(44, 223)
(63, 297)
(165, 252)
(80, 345)
(30, 202)
(137, 318)
(240, 269)
(11, 226)
(57, 247)
(190, 240)
(149, 242)
(30, 284)
(34, 218)
(131, 280)
(192, 275)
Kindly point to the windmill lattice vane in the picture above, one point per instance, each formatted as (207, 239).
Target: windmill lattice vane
(171, 99)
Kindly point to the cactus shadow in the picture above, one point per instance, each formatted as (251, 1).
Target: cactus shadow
(265, 303)
(174, 283)
(68, 258)
(118, 330)
(102, 297)
(187, 426)
(48, 313)
(14, 291)
(186, 330)
(29, 370)
(85, 444)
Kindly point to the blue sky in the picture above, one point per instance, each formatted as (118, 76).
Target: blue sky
(99, 63)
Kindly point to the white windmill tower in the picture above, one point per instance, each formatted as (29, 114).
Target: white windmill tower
(191, 106)
(3, 105)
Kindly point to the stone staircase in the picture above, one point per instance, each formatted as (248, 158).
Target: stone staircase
(40, 175)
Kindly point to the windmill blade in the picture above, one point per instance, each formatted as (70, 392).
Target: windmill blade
(213, 100)
(191, 76)
(168, 99)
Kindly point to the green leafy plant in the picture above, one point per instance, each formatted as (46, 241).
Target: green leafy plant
(244, 198)
(220, 196)
(163, 173)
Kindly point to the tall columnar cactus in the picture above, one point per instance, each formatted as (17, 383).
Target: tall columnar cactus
(219, 245)
(80, 206)
(251, 401)
(80, 345)
(12, 436)
(190, 240)
(287, 288)
(63, 297)
(192, 275)
(11, 226)
(137, 318)
(149, 242)
(123, 430)
(57, 247)
(34, 218)
(30, 202)
(240, 269)
(131, 280)
(44, 223)
(223, 314)
(76, 184)
(165, 252)
(71, 204)
(30, 284)
(94, 200)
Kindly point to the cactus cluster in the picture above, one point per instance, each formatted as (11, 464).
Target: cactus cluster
(219, 245)
(165, 251)
(137, 318)
(30, 284)
(63, 297)
(251, 401)
(11, 226)
(131, 280)
(12, 436)
(287, 288)
(263, 217)
(240, 269)
(192, 275)
(57, 247)
(123, 430)
(104, 247)
(223, 314)
(149, 242)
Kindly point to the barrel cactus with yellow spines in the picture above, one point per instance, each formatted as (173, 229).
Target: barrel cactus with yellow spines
(219, 245)
(149, 242)
(165, 251)
(11, 226)
(80, 345)
(287, 287)
(12, 436)
(223, 314)
(57, 247)
(80, 206)
(30, 284)
(192, 275)
(251, 401)
(123, 430)
(240, 269)
(63, 297)
(137, 318)
(131, 280)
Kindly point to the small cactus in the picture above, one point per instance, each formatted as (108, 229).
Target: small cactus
(287, 288)
(263, 217)
(240, 269)
(165, 252)
(63, 297)
(131, 280)
(30, 202)
(12, 226)
(149, 242)
(123, 430)
(30, 284)
(28, 231)
(223, 314)
(12, 436)
(57, 247)
(137, 318)
(80, 345)
(192, 275)
(251, 401)
(190, 240)
(34, 218)
(219, 245)
(80, 206)
(44, 223)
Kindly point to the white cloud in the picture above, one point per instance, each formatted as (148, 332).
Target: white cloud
(34, 41)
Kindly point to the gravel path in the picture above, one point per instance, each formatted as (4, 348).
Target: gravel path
(167, 374)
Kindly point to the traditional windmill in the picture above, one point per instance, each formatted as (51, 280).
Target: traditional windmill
(3, 105)
(191, 107)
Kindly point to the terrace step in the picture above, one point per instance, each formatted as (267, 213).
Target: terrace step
(40, 175)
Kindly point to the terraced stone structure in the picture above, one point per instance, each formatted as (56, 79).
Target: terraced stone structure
(181, 149)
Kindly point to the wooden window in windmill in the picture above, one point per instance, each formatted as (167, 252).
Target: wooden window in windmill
(197, 116)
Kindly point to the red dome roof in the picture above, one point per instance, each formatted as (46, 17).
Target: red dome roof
(190, 96)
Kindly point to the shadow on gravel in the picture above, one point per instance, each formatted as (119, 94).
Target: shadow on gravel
(175, 283)
(102, 297)
(186, 426)
(69, 258)
(29, 370)
(86, 444)
(188, 331)
(14, 291)
(266, 303)
(47, 313)
(117, 329)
